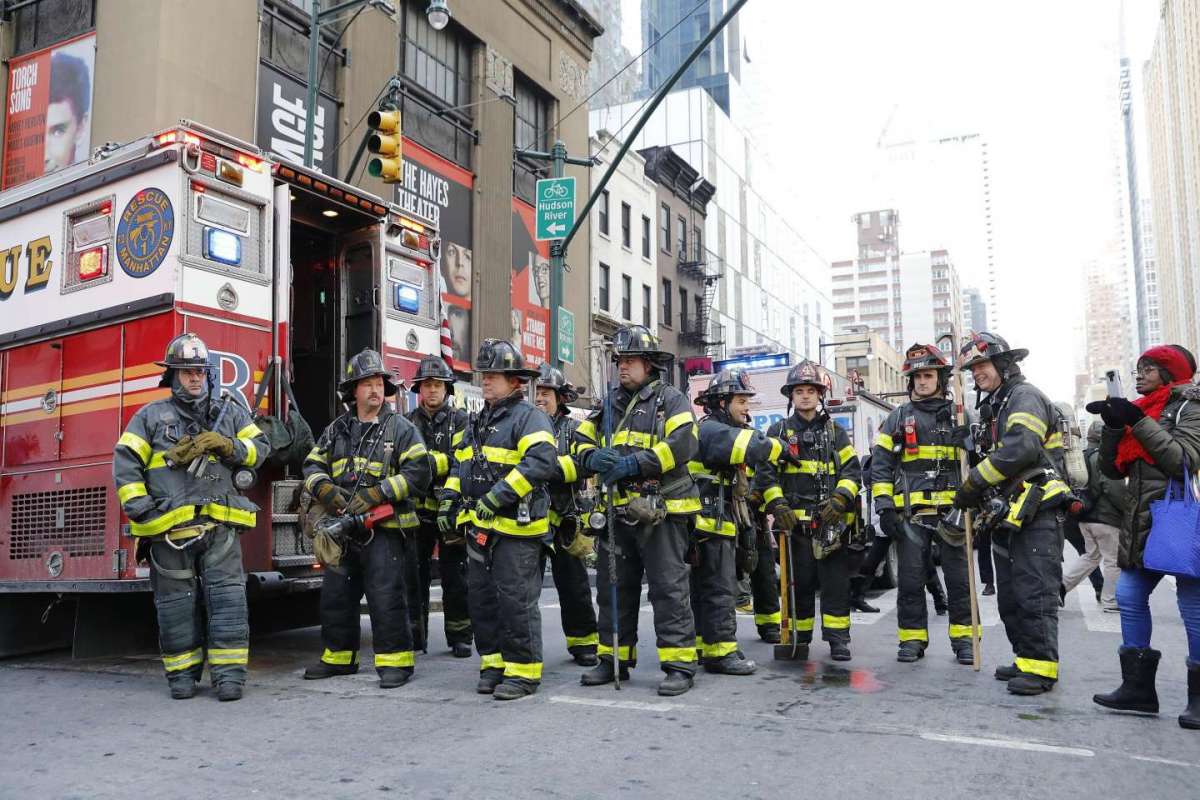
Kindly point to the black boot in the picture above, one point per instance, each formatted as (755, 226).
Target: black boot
(910, 651)
(1190, 718)
(322, 670)
(513, 689)
(675, 683)
(603, 673)
(488, 680)
(735, 663)
(858, 596)
(769, 633)
(964, 651)
(182, 688)
(229, 691)
(1136, 692)
(1026, 683)
(585, 658)
(989, 589)
(392, 677)
(460, 649)
(1006, 672)
(839, 651)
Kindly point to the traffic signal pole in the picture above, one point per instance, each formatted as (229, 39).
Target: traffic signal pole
(558, 158)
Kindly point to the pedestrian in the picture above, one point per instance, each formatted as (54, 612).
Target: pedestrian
(654, 436)
(370, 456)
(915, 473)
(1148, 443)
(568, 543)
(441, 425)
(1104, 503)
(500, 492)
(813, 495)
(186, 522)
(1017, 483)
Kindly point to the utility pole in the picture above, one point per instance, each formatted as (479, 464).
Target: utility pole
(558, 158)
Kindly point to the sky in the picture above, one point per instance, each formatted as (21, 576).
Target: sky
(1036, 78)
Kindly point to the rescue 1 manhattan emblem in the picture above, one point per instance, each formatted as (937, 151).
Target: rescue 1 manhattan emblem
(145, 232)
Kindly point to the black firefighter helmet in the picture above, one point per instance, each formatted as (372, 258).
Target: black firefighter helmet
(366, 364)
(552, 378)
(185, 351)
(434, 368)
(806, 373)
(925, 356)
(986, 346)
(725, 384)
(499, 355)
(636, 340)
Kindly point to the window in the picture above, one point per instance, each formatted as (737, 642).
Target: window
(531, 121)
(647, 299)
(645, 237)
(699, 309)
(698, 243)
(681, 230)
(604, 275)
(664, 228)
(39, 25)
(683, 308)
(604, 212)
(665, 319)
(626, 297)
(436, 69)
(626, 226)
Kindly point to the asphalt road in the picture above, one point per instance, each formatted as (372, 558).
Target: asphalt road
(869, 728)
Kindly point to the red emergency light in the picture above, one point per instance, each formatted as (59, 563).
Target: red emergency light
(93, 263)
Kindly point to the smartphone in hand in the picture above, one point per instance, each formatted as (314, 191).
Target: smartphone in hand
(1113, 379)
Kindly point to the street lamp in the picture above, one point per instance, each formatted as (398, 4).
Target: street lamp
(438, 14)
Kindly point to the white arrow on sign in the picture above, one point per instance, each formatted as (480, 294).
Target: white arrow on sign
(556, 228)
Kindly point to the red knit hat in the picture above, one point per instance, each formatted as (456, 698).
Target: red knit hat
(1170, 359)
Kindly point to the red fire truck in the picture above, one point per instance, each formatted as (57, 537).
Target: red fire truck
(103, 263)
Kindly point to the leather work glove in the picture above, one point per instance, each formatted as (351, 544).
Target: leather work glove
(830, 513)
(889, 523)
(626, 467)
(785, 518)
(486, 508)
(183, 453)
(365, 499)
(332, 496)
(968, 495)
(602, 459)
(213, 442)
(446, 521)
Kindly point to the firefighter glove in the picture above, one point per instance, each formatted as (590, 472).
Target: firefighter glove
(626, 467)
(969, 494)
(332, 496)
(485, 509)
(182, 454)
(365, 499)
(446, 517)
(602, 459)
(213, 442)
(889, 523)
(785, 518)
(829, 512)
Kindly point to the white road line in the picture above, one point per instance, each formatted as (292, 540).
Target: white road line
(1156, 760)
(1008, 744)
(886, 603)
(1093, 617)
(630, 705)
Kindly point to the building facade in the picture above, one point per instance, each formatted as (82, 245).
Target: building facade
(869, 360)
(493, 81)
(666, 24)
(1106, 322)
(687, 283)
(1141, 217)
(975, 316)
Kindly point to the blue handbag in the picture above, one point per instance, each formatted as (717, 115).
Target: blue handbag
(1173, 546)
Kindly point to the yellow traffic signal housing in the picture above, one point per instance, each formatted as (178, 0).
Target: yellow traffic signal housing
(385, 144)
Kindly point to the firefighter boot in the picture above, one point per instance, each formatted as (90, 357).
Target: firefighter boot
(1026, 683)
(858, 596)
(228, 691)
(603, 673)
(513, 690)
(392, 677)
(489, 679)
(964, 651)
(839, 651)
(676, 683)
(585, 658)
(769, 633)
(1136, 692)
(460, 649)
(734, 663)
(910, 651)
(322, 670)
(1006, 672)
(1190, 718)
(182, 688)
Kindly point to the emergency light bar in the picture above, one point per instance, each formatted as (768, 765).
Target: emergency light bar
(222, 246)
(318, 186)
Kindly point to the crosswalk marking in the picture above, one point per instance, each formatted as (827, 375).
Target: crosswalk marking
(1093, 617)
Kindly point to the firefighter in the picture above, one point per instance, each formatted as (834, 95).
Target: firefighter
(654, 436)
(187, 524)
(441, 426)
(725, 529)
(368, 457)
(812, 499)
(568, 544)
(1016, 485)
(499, 493)
(914, 473)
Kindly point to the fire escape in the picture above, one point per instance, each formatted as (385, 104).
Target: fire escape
(698, 329)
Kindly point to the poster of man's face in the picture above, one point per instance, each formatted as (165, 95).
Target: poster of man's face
(68, 134)
(456, 270)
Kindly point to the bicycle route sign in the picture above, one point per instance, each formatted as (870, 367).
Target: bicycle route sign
(555, 208)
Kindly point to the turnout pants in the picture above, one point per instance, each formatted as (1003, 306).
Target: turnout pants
(452, 572)
(764, 584)
(660, 554)
(504, 584)
(200, 600)
(1028, 575)
(914, 553)
(714, 597)
(379, 570)
(574, 598)
(832, 574)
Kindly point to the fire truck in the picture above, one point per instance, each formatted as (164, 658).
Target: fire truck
(283, 271)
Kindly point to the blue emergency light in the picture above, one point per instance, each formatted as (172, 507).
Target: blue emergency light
(755, 361)
(222, 246)
(408, 298)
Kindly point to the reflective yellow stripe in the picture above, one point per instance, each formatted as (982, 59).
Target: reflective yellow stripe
(808, 467)
(709, 525)
(501, 455)
(804, 624)
(587, 428)
(359, 463)
(229, 655)
(849, 485)
(416, 451)
(989, 473)
(845, 454)
(491, 661)
(401, 658)
(626, 653)
(316, 455)
(882, 489)
(776, 450)
(925, 498)
(682, 418)
(453, 483)
(234, 516)
(583, 641)
(312, 480)
(932, 453)
(960, 631)
(159, 461)
(1046, 669)
(913, 635)
(1055, 441)
(834, 623)
(683, 505)
(464, 453)
(567, 465)
(529, 440)
(130, 491)
(139, 446)
(182, 661)
(885, 441)
(518, 482)
(251, 457)
(665, 456)
(1053, 489)
(719, 649)
(700, 643)
(507, 525)
(685, 654)
(1028, 420)
(163, 523)
(774, 493)
(738, 456)
(441, 464)
(249, 432)
(634, 439)
(457, 438)
(530, 672)
(399, 486)
(767, 619)
(339, 658)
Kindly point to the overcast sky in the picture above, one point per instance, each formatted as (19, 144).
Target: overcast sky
(1035, 77)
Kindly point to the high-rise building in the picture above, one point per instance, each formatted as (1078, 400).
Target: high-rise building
(1106, 323)
(1172, 89)
(975, 316)
(1141, 218)
(675, 27)
(614, 76)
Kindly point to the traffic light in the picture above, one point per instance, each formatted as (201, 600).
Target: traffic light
(384, 144)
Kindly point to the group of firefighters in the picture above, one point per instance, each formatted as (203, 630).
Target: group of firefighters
(689, 505)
